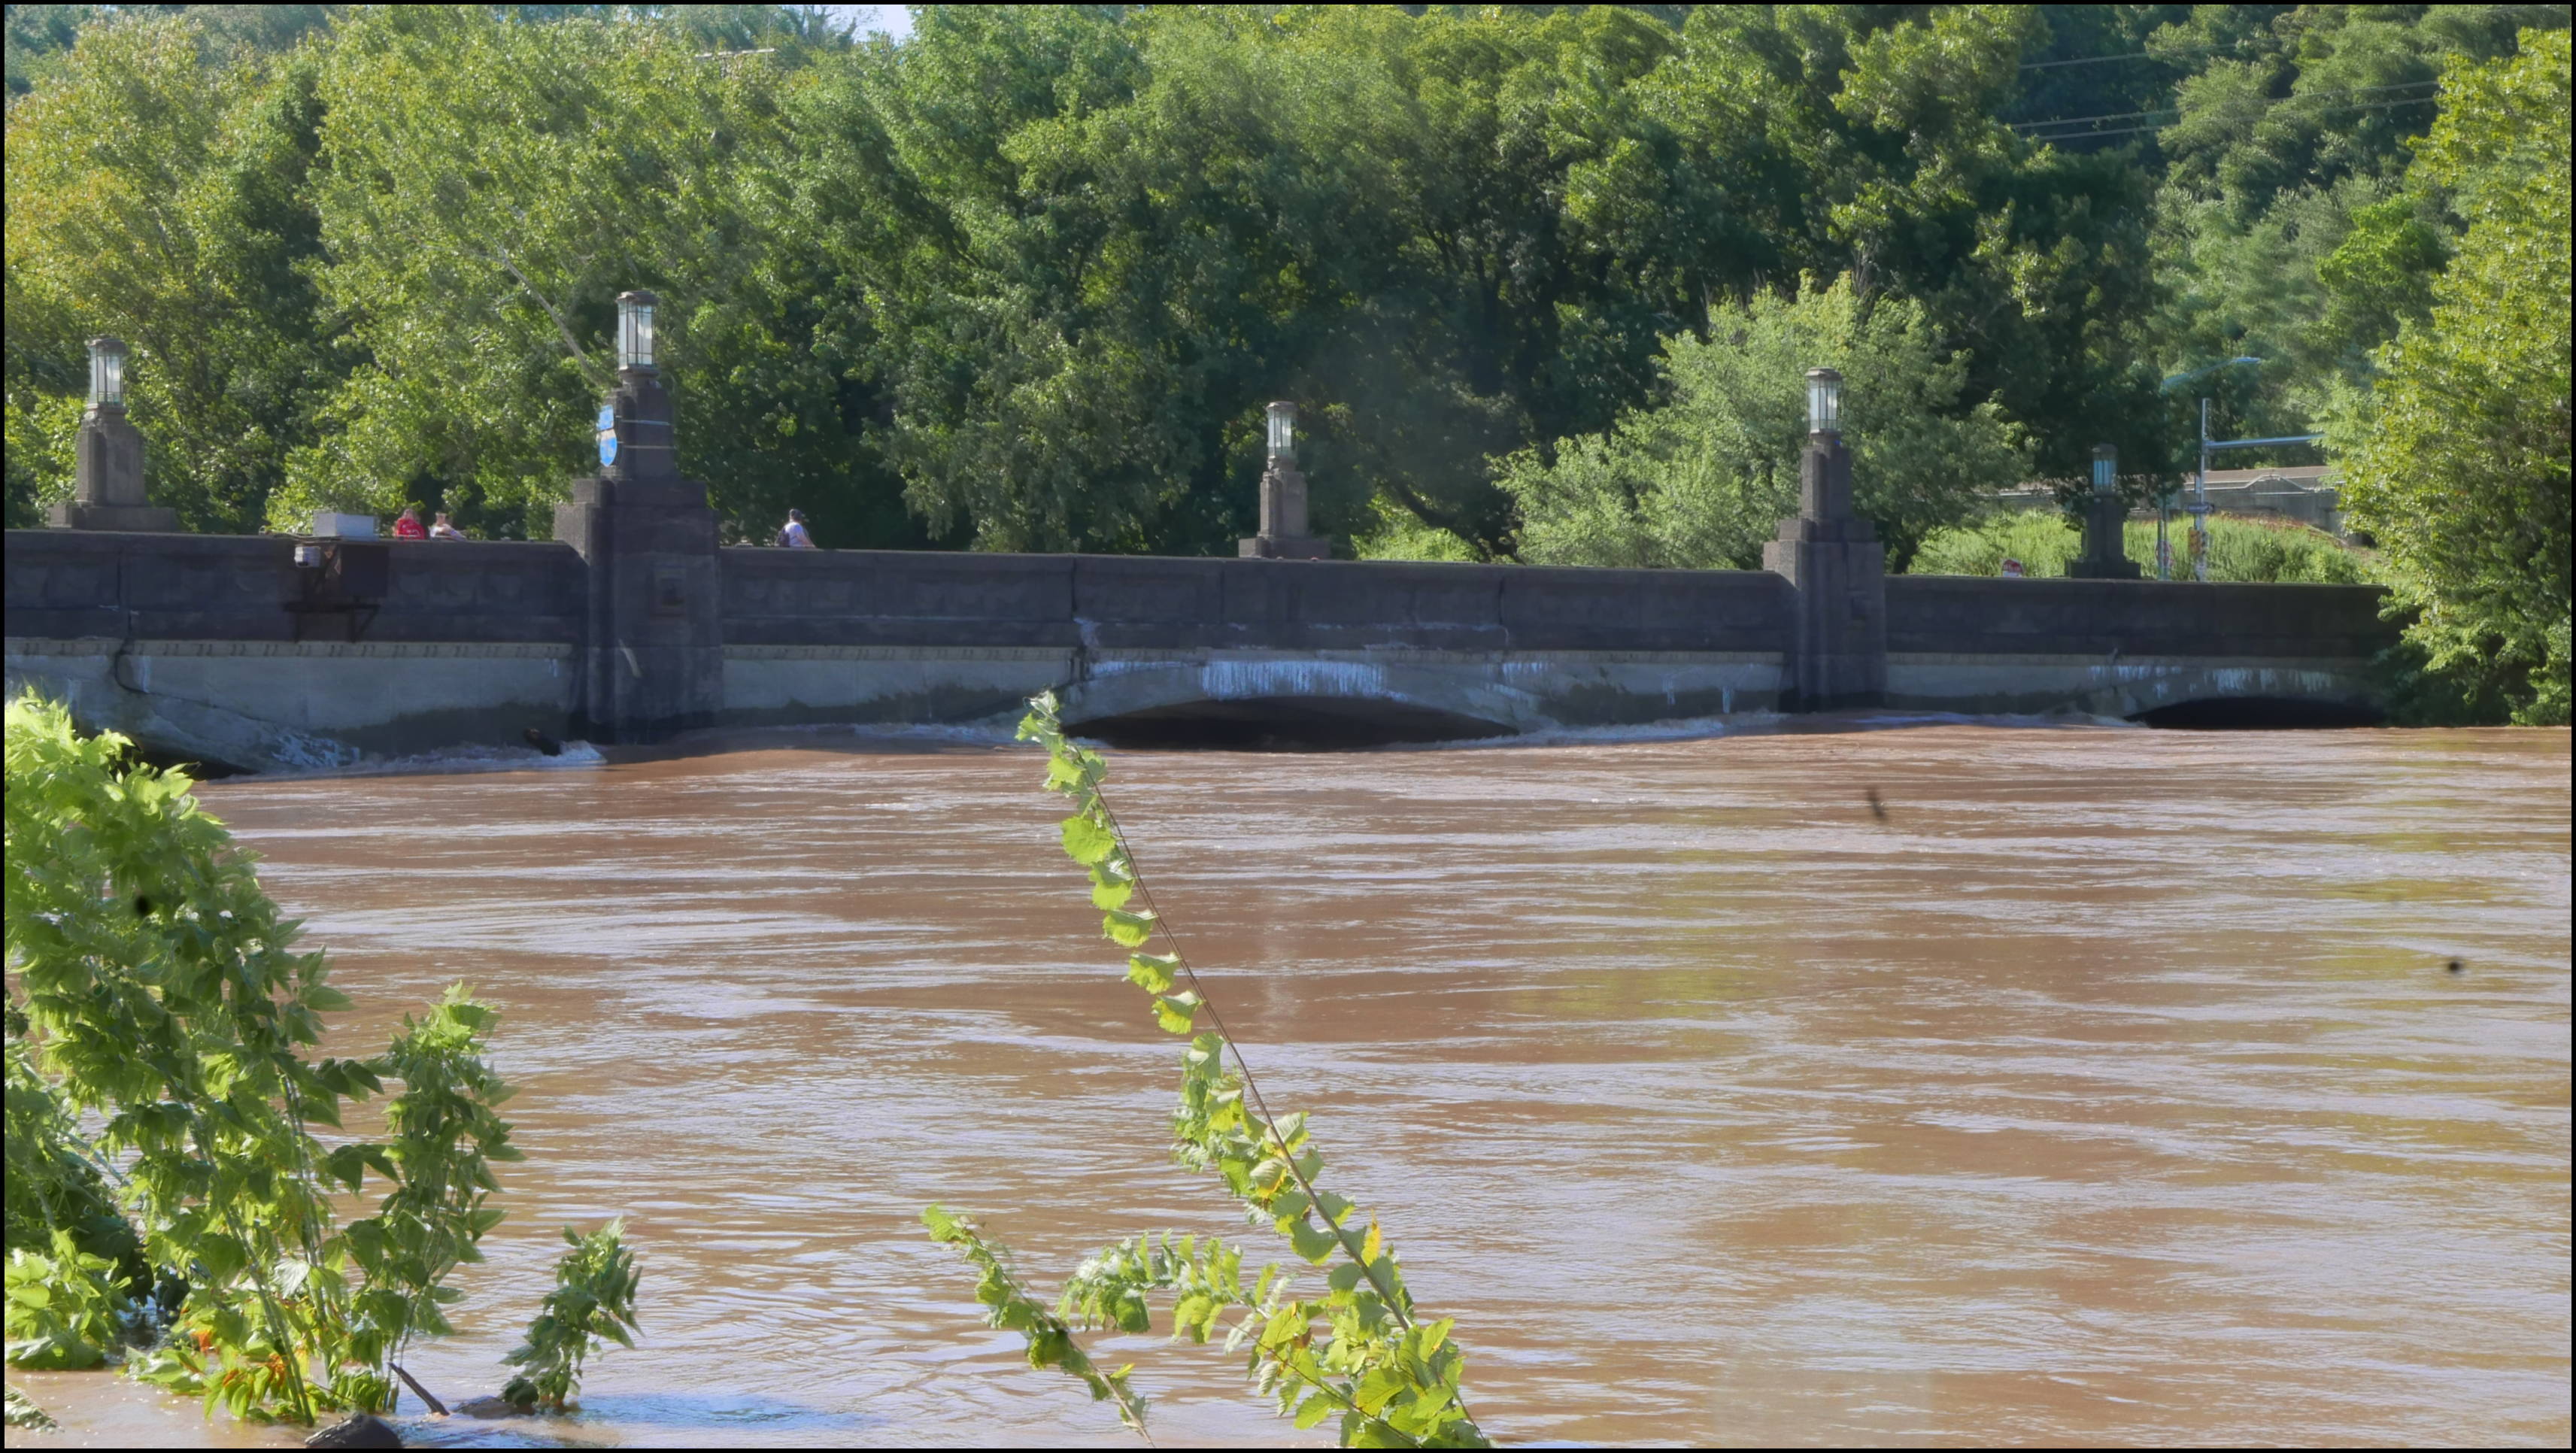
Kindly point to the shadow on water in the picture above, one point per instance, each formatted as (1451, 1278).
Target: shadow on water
(2259, 713)
(1286, 724)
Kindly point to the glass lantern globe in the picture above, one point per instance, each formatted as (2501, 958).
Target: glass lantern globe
(2106, 468)
(1283, 430)
(1824, 401)
(635, 329)
(107, 373)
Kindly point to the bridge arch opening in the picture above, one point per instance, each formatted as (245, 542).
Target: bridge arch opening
(1285, 724)
(2259, 713)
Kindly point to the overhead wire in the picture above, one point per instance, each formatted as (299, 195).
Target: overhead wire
(2132, 55)
(2278, 101)
(2322, 110)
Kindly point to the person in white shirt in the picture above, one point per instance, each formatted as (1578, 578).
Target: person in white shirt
(793, 536)
(442, 530)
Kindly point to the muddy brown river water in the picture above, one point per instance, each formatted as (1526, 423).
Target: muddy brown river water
(2111, 1088)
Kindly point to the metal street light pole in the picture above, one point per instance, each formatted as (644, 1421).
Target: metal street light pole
(2199, 507)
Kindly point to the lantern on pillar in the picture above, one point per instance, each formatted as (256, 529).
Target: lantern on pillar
(635, 329)
(107, 373)
(2106, 468)
(1824, 401)
(1283, 430)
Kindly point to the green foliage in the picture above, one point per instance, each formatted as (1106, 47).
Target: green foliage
(2456, 460)
(67, 1309)
(155, 192)
(1036, 268)
(55, 1181)
(1703, 480)
(494, 185)
(444, 1139)
(2240, 549)
(2290, 225)
(1051, 1341)
(162, 992)
(23, 1413)
(1357, 1351)
(593, 1303)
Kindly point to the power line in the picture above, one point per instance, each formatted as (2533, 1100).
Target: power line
(2320, 111)
(2133, 55)
(2281, 101)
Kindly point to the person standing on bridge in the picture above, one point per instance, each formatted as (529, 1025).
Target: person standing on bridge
(407, 526)
(792, 534)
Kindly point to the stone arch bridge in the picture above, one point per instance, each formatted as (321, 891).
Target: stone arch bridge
(224, 649)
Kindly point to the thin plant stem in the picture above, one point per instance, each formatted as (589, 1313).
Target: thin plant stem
(1400, 1306)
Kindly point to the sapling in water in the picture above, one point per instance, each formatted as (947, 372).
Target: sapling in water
(1358, 1352)
(593, 1302)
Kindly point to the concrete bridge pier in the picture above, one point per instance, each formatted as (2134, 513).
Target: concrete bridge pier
(652, 661)
(1833, 560)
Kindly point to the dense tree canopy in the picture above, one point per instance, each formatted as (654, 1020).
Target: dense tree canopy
(1703, 479)
(2459, 452)
(1024, 279)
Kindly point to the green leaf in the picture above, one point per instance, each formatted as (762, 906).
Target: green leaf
(1313, 1242)
(1128, 930)
(1176, 1011)
(1154, 973)
(1088, 842)
(1315, 1409)
(347, 1165)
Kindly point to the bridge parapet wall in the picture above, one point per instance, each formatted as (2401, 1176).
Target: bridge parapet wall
(870, 597)
(77, 584)
(1958, 615)
(2132, 648)
(188, 641)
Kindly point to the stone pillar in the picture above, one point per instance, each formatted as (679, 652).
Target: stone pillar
(1837, 647)
(107, 460)
(1283, 518)
(2106, 555)
(653, 660)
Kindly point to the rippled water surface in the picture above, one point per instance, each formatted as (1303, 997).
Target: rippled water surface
(2112, 1087)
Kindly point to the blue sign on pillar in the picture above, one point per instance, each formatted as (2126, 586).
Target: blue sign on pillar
(607, 434)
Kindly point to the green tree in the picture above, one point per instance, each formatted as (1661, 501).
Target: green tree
(493, 186)
(1701, 481)
(156, 196)
(2457, 458)
(1874, 137)
(2288, 226)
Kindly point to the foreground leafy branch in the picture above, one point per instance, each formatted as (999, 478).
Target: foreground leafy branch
(1358, 1351)
(156, 987)
(1051, 1341)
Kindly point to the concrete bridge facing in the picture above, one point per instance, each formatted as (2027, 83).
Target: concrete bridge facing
(192, 645)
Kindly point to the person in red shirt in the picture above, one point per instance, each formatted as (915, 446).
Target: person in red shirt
(409, 527)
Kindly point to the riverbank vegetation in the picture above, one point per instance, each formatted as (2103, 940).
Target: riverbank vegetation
(197, 1233)
(1025, 279)
(1358, 1353)
(2239, 549)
